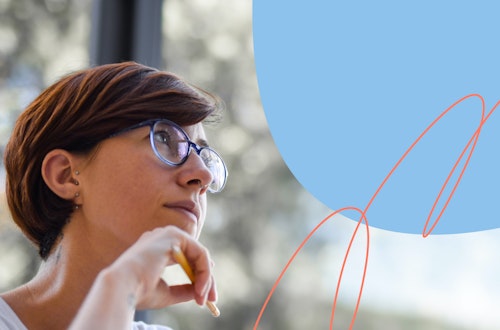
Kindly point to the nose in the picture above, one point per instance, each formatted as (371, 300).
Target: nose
(194, 173)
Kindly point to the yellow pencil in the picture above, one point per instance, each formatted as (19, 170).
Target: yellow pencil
(180, 258)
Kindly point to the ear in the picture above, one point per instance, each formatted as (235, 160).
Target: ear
(57, 171)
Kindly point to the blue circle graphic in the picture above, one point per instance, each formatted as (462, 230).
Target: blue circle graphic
(349, 86)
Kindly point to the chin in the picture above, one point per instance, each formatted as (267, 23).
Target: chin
(190, 229)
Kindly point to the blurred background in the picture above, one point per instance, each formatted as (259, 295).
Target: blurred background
(263, 215)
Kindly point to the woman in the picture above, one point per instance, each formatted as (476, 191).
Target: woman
(107, 172)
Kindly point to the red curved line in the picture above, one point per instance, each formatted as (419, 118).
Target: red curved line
(311, 233)
(334, 307)
(474, 138)
(491, 111)
(418, 140)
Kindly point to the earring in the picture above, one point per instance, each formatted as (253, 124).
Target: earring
(75, 181)
(77, 194)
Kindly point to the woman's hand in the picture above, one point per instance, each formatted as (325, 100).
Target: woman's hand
(143, 263)
(134, 280)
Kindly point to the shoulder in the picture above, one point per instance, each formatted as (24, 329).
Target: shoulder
(144, 326)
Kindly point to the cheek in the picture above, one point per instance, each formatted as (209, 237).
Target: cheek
(115, 177)
(121, 210)
(119, 192)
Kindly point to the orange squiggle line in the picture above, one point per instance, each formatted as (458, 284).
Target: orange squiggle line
(292, 258)
(473, 140)
(417, 141)
(360, 293)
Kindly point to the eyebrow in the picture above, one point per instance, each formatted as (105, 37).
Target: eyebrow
(202, 143)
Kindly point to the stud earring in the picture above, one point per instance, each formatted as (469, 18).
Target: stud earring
(75, 181)
(77, 194)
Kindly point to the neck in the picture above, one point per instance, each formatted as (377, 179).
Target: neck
(60, 286)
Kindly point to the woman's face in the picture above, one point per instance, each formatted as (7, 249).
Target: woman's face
(126, 190)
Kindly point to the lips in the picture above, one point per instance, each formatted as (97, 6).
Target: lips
(188, 207)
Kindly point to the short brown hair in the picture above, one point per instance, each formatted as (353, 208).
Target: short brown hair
(75, 114)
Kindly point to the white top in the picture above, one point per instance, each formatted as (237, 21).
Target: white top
(10, 321)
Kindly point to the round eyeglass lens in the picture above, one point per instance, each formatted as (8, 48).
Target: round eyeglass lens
(216, 166)
(172, 145)
(170, 142)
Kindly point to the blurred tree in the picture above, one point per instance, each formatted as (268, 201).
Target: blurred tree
(39, 41)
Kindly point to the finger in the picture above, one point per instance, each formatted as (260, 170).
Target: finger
(198, 260)
(166, 295)
(181, 293)
(212, 294)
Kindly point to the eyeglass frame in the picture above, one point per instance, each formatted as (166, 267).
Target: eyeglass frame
(191, 145)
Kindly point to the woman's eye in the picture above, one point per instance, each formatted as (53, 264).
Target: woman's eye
(162, 137)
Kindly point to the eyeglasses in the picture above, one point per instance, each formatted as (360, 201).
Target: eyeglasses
(172, 146)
